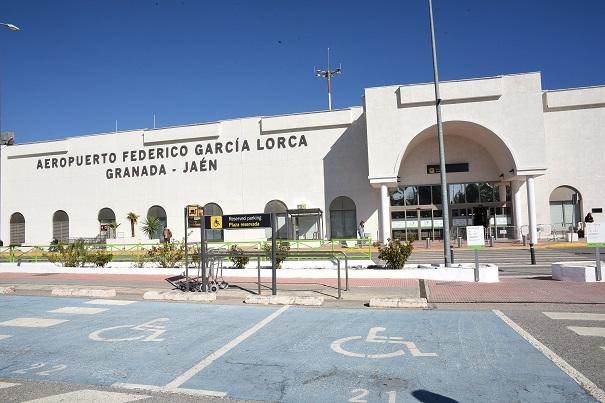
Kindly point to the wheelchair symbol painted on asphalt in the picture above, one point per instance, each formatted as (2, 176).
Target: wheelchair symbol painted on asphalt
(373, 337)
(154, 327)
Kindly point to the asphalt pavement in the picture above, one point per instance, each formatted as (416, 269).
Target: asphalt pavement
(293, 354)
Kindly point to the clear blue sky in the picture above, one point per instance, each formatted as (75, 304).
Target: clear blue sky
(79, 65)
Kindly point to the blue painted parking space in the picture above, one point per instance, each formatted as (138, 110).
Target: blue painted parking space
(278, 353)
(175, 338)
(325, 355)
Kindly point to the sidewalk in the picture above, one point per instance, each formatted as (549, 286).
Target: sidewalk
(508, 290)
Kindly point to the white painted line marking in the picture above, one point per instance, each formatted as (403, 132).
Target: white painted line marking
(588, 331)
(603, 347)
(575, 315)
(221, 351)
(5, 336)
(4, 385)
(110, 302)
(153, 388)
(78, 310)
(573, 373)
(32, 322)
(90, 396)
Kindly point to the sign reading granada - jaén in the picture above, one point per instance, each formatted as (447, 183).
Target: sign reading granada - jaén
(595, 234)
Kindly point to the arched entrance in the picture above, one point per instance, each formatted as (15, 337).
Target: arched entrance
(281, 214)
(343, 218)
(159, 213)
(61, 226)
(565, 208)
(479, 167)
(107, 220)
(17, 229)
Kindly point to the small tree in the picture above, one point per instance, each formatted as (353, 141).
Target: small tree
(151, 225)
(396, 253)
(281, 252)
(133, 218)
(237, 257)
(113, 229)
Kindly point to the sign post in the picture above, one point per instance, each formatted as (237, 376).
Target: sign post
(193, 219)
(273, 253)
(595, 237)
(186, 215)
(475, 239)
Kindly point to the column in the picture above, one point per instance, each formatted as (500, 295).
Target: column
(385, 214)
(531, 210)
(516, 191)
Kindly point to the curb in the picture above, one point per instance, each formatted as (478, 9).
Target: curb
(396, 302)
(83, 292)
(180, 296)
(7, 290)
(284, 300)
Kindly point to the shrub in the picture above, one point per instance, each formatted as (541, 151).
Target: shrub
(72, 255)
(283, 248)
(396, 253)
(167, 254)
(99, 258)
(236, 255)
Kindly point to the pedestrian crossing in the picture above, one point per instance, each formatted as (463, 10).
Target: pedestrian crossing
(511, 262)
(590, 331)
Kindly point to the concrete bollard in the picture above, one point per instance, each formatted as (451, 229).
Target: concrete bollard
(524, 237)
(459, 242)
(428, 243)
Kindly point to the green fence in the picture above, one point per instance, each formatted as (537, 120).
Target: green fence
(355, 249)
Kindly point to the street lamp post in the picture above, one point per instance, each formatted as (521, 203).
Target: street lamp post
(2, 142)
(444, 200)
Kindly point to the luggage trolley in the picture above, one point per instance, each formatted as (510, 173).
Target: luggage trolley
(216, 280)
(215, 276)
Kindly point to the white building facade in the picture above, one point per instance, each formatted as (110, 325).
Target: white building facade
(324, 172)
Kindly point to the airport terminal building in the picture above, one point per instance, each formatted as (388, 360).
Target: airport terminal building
(513, 150)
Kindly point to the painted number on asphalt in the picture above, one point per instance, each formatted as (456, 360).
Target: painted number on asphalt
(360, 396)
(31, 368)
(148, 331)
(373, 337)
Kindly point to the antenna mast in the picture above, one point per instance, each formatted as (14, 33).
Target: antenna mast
(327, 74)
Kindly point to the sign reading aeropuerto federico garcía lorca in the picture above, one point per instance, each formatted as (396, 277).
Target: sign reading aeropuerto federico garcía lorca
(152, 161)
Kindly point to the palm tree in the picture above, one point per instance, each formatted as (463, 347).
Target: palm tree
(113, 227)
(151, 225)
(133, 218)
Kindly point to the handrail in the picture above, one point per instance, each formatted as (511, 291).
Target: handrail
(227, 253)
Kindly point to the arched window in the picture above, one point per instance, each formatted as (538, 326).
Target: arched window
(159, 213)
(565, 208)
(214, 235)
(281, 214)
(343, 218)
(61, 226)
(107, 217)
(17, 229)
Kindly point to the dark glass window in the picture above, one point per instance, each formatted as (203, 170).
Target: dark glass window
(424, 194)
(472, 193)
(411, 196)
(436, 194)
(486, 192)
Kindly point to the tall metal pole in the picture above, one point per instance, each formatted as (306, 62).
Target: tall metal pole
(444, 200)
(327, 74)
(329, 79)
